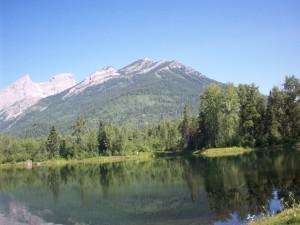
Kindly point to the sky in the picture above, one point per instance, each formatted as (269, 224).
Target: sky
(229, 41)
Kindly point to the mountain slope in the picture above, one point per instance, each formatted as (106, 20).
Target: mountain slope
(23, 93)
(140, 93)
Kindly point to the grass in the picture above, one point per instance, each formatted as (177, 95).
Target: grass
(286, 217)
(222, 152)
(94, 160)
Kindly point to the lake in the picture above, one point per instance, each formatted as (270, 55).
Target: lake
(175, 191)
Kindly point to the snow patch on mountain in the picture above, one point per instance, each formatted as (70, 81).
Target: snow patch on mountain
(146, 65)
(98, 77)
(23, 93)
(137, 66)
(175, 66)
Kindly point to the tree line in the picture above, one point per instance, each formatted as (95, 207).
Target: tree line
(228, 116)
(85, 142)
(241, 116)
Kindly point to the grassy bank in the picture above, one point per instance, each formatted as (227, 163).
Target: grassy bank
(94, 160)
(288, 216)
(220, 152)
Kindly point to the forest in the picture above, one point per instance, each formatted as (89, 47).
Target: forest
(228, 116)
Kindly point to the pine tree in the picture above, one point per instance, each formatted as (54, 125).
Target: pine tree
(79, 130)
(103, 144)
(52, 144)
(92, 142)
(63, 149)
(185, 128)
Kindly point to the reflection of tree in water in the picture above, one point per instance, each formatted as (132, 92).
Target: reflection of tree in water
(245, 184)
(53, 182)
(233, 184)
(193, 179)
(66, 173)
(104, 178)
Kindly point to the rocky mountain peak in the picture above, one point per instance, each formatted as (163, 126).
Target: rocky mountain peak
(137, 66)
(21, 82)
(98, 77)
(23, 93)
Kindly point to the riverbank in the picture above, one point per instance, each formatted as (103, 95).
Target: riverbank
(222, 152)
(93, 160)
(288, 216)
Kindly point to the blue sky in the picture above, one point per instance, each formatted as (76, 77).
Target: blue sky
(238, 41)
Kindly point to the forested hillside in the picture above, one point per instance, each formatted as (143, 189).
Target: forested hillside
(143, 93)
(230, 116)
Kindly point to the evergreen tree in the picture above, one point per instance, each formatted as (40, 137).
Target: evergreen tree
(119, 145)
(79, 130)
(103, 144)
(52, 144)
(92, 142)
(185, 128)
(63, 152)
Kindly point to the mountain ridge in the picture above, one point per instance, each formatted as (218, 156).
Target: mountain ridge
(142, 92)
(23, 93)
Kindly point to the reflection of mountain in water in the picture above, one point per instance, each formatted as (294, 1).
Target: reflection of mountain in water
(174, 191)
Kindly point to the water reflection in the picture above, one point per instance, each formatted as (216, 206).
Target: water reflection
(164, 191)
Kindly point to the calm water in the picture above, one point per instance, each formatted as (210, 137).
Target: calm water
(162, 191)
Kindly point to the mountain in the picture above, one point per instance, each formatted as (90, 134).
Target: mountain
(23, 93)
(141, 93)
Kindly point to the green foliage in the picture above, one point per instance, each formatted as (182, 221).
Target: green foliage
(66, 148)
(210, 115)
(52, 144)
(228, 116)
(283, 112)
(219, 118)
(135, 100)
(251, 115)
(103, 142)
(292, 107)
(241, 116)
(229, 121)
(275, 114)
(185, 127)
(14, 149)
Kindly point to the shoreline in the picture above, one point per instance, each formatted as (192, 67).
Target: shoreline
(206, 153)
(223, 152)
(236, 150)
(287, 216)
(93, 160)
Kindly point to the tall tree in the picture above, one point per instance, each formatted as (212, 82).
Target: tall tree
(229, 119)
(92, 143)
(251, 114)
(292, 108)
(210, 115)
(79, 130)
(52, 144)
(274, 118)
(121, 138)
(185, 127)
(102, 138)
